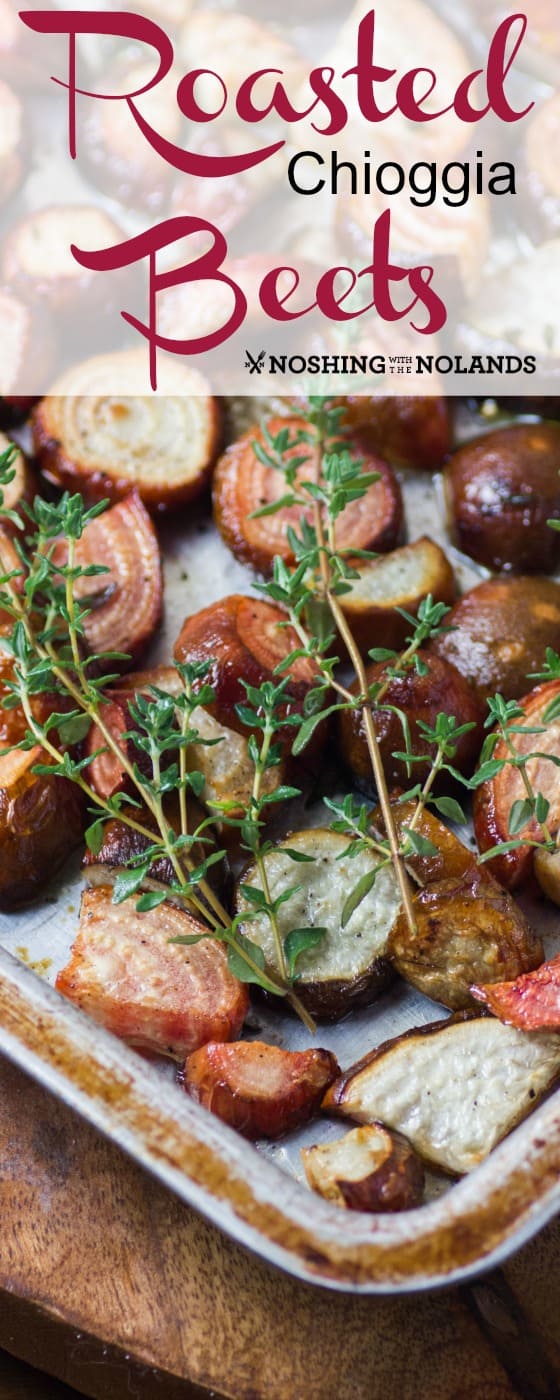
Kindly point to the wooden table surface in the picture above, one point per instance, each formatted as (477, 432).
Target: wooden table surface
(115, 1288)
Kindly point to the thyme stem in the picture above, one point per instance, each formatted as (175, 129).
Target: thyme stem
(326, 551)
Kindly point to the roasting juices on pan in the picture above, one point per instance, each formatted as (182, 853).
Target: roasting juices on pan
(274, 814)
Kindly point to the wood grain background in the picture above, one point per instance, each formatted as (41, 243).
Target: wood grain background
(116, 1288)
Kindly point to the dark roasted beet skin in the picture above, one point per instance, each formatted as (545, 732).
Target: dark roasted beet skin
(244, 639)
(258, 1089)
(501, 491)
(421, 698)
(243, 485)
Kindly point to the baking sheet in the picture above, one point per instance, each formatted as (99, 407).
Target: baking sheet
(198, 570)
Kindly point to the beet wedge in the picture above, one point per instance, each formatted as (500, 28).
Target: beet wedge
(407, 432)
(41, 820)
(12, 142)
(449, 859)
(498, 633)
(224, 761)
(29, 332)
(455, 1088)
(121, 844)
(531, 1002)
(369, 1169)
(125, 602)
(243, 639)
(98, 433)
(154, 994)
(41, 814)
(258, 1089)
(421, 698)
(349, 966)
(494, 800)
(501, 491)
(20, 490)
(106, 773)
(243, 484)
(37, 263)
(400, 579)
(467, 929)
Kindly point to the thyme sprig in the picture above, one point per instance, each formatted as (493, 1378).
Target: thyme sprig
(47, 644)
(506, 719)
(311, 594)
(48, 603)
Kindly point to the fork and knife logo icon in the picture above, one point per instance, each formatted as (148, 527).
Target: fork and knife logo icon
(255, 364)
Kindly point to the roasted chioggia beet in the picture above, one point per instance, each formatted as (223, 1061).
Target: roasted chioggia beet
(455, 1088)
(42, 815)
(120, 845)
(448, 859)
(38, 265)
(499, 633)
(467, 929)
(531, 1002)
(111, 154)
(196, 309)
(10, 563)
(234, 43)
(348, 965)
(19, 491)
(452, 240)
(242, 641)
(125, 601)
(501, 491)
(369, 1169)
(399, 580)
(507, 319)
(41, 821)
(155, 994)
(106, 772)
(407, 432)
(421, 698)
(541, 208)
(259, 1089)
(90, 438)
(494, 800)
(221, 754)
(243, 484)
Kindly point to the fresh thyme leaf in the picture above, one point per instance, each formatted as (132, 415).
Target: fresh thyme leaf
(189, 940)
(503, 847)
(450, 808)
(281, 794)
(150, 900)
(94, 836)
(486, 772)
(382, 654)
(298, 856)
(298, 941)
(307, 729)
(73, 729)
(273, 507)
(542, 807)
(358, 894)
(128, 882)
(242, 970)
(254, 896)
(419, 844)
(520, 814)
